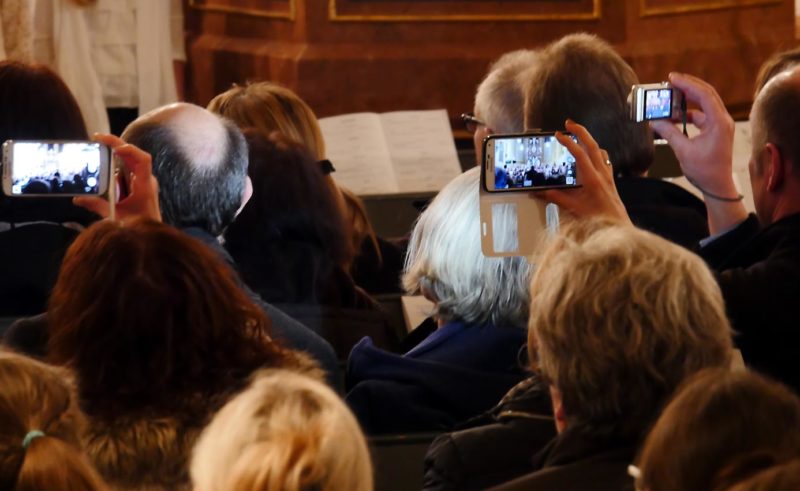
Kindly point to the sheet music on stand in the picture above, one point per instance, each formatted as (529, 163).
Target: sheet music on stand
(391, 153)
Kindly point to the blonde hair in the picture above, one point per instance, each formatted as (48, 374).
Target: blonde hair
(500, 98)
(445, 260)
(286, 431)
(271, 107)
(619, 317)
(38, 397)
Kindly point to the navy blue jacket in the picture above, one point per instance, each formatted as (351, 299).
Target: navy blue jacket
(457, 372)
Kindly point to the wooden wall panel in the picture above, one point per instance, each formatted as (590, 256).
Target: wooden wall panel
(421, 59)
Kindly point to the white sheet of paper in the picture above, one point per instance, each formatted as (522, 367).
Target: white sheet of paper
(422, 149)
(415, 310)
(356, 146)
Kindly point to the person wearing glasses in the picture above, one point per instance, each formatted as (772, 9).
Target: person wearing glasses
(500, 99)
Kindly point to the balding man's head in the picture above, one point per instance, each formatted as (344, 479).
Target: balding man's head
(200, 161)
(775, 117)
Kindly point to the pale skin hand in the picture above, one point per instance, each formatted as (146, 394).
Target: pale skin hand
(707, 158)
(597, 195)
(142, 199)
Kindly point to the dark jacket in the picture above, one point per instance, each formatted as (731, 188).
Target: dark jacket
(344, 327)
(575, 461)
(379, 274)
(497, 446)
(29, 336)
(31, 257)
(458, 372)
(758, 270)
(664, 208)
(298, 275)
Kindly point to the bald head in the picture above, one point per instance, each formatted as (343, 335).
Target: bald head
(775, 117)
(200, 161)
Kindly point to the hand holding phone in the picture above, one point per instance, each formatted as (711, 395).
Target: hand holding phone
(597, 195)
(142, 194)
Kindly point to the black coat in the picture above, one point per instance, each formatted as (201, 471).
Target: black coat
(664, 208)
(31, 257)
(758, 270)
(497, 447)
(575, 461)
(456, 373)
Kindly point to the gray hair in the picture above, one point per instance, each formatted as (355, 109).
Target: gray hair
(500, 99)
(445, 260)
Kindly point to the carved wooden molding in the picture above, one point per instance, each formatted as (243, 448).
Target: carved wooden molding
(650, 8)
(338, 14)
(287, 9)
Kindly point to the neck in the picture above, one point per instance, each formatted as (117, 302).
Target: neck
(784, 208)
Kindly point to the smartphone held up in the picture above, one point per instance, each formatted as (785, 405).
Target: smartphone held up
(55, 168)
(527, 162)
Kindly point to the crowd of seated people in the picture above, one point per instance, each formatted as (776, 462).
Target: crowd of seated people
(193, 338)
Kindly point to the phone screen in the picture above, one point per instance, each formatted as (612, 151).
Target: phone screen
(523, 162)
(657, 104)
(66, 168)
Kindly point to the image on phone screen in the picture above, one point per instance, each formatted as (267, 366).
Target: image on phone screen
(55, 168)
(658, 104)
(532, 161)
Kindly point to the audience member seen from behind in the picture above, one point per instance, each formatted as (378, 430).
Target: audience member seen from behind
(286, 431)
(35, 232)
(722, 428)
(41, 429)
(200, 161)
(755, 256)
(465, 366)
(500, 99)
(619, 318)
(159, 333)
(581, 77)
(290, 242)
(267, 106)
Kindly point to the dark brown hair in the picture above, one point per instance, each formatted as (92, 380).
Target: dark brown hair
(35, 396)
(145, 315)
(774, 65)
(37, 105)
(293, 213)
(720, 426)
(581, 77)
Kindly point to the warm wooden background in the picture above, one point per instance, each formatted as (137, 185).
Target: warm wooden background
(377, 55)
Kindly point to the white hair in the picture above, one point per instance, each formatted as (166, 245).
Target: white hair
(286, 431)
(445, 260)
(500, 99)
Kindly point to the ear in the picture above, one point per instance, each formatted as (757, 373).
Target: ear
(247, 193)
(558, 409)
(775, 167)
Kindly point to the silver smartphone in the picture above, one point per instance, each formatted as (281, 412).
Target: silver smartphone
(649, 102)
(527, 162)
(55, 168)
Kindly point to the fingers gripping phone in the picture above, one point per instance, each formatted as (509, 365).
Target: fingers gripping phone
(527, 162)
(55, 168)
